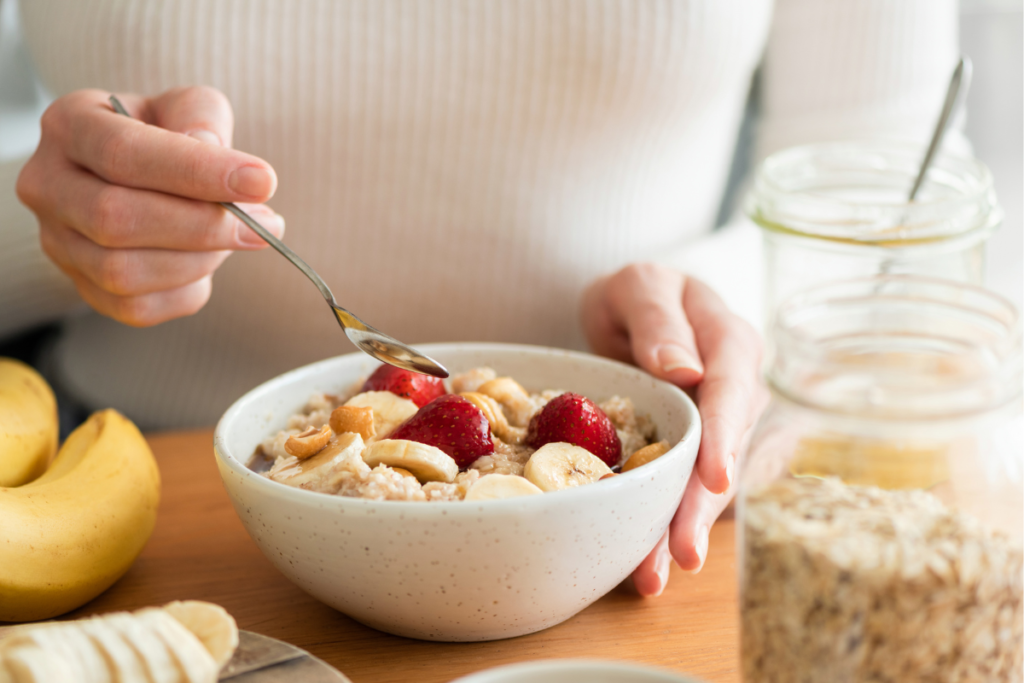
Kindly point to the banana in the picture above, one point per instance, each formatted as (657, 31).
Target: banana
(512, 395)
(315, 473)
(211, 624)
(28, 423)
(557, 466)
(644, 455)
(71, 533)
(495, 486)
(427, 463)
(496, 417)
(389, 411)
(148, 646)
(192, 662)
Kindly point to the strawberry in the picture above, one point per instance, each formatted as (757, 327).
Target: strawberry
(452, 424)
(420, 389)
(571, 418)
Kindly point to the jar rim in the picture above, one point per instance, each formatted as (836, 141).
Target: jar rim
(824, 191)
(924, 348)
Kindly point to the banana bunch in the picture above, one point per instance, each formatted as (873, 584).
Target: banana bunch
(28, 423)
(69, 533)
(185, 642)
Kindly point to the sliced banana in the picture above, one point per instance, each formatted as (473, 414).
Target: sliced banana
(557, 466)
(32, 664)
(495, 486)
(123, 662)
(496, 417)
(389, 411)
(314, 473)
(156, 658)
(194, 663)
(211, 624)
(68, 644)
(426, 462)
(512, 395)
(645, 455)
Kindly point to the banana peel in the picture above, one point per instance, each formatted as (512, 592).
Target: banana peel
(28, 423)
(69, 534)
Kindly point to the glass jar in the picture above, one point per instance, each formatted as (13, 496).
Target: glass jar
(879, 513)
(839, 211)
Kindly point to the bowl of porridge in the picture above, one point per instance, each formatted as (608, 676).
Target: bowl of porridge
(498, 503)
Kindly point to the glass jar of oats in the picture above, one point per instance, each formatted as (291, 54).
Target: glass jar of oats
(839, 210)
(879, 517)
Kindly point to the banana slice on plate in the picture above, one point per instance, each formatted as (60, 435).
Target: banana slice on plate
(33, 664)
(427, 463)
(557, 466)
(124, 663)
(193, 662)
(156, 658)
(66, 644)
(496, 486)
(389, 411)
(211, 624)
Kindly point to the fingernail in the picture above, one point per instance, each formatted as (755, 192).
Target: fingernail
(701, 547)
(251, 181)
(677, 358)
(272, 222)
(661, 568)
(206, 136)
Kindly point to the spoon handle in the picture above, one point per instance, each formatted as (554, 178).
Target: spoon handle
(259, 230)
(960, 82)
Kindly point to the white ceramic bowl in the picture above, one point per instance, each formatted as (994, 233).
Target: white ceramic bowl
(461, 571)
(574, 671)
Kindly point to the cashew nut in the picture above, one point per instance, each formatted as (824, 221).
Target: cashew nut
(308, 443)
(356, 419)
(645, 455)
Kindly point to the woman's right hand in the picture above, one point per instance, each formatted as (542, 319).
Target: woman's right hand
(124, 204)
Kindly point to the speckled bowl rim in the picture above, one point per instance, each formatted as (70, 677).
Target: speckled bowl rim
(529, 671)
(582, 494)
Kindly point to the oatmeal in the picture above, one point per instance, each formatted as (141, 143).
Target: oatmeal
(856, 583)
(401, 436)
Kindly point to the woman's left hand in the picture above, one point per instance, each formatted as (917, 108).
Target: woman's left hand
(679, 330)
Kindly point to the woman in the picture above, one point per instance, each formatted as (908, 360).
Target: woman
(456, 170)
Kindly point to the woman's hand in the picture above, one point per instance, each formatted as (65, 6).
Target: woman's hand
(124, 203)
(679, 330)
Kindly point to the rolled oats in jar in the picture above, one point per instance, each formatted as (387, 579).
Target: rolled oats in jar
(879, 516)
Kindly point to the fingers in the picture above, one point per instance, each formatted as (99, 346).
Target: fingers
(122, 217)
(691, 527)
(200, 112)
(651, 577)
(131, 153)
(729, 395)
(127, 272)
(637, 314)
(149, 309)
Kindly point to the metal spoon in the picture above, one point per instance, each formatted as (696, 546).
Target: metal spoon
(368, 339)
(959, 82)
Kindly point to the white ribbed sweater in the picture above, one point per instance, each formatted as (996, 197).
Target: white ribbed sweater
(456, 169)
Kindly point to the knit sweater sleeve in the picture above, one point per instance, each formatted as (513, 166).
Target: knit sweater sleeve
(32, 289)
(834, 70)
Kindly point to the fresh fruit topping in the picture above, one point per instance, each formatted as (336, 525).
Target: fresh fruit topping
(452, 424)
(575, 419)
(389, 411)
(495, 486)
(510, 394)
(427, 463)
(420, 389)
(211, 624)
(644, 455)
(557, 466)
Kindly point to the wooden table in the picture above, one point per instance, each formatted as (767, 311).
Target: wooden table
(201, 551)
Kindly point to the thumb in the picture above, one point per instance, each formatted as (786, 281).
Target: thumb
(649, 301)
(200, 112)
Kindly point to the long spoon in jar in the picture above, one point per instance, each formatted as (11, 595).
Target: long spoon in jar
(367, 339)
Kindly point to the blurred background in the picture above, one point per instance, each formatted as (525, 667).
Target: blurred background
(991, 33)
